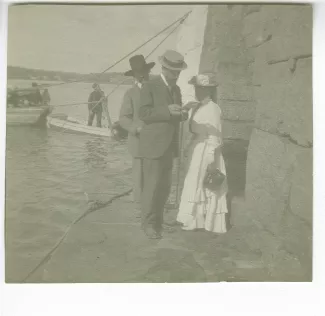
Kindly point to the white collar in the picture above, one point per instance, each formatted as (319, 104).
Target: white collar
(137, 83)
(164, 79)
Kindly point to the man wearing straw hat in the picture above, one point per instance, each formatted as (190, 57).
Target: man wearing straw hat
(161, 114)
(129, 120)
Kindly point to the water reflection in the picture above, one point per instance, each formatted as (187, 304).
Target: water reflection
(96, 152)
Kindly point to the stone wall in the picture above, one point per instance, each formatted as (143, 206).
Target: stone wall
(262, 56)
(279, 163)
(225, 54)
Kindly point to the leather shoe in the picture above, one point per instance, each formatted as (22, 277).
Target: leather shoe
(152, 234)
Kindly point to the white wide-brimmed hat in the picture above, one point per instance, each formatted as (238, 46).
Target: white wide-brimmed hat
(204, 80)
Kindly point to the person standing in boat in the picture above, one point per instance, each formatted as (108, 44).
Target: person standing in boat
(161, 113)
(129, 120)
(95, 105)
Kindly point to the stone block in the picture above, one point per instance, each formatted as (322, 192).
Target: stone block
(236, 130)
(291, 33)
(297, 240)
(251, 8)
(223, 32)
(235, 92)
(238, 54)
(301, 193)
(257, 38)
(284, 48)
(219, 12)
(259, 65)
(266, 74)
(297, 115)
(270, 102)
(268, 179)
(253, 23)
(237, 111)
(285, 107)
(235, 12)
(233, 73)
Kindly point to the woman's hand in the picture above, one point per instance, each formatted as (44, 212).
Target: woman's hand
(211, 166)
(190, 105)
(138, 130)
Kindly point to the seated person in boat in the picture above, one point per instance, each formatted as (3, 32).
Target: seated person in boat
(95, 106)
(35, 97)
(46, 97)
(12, 97)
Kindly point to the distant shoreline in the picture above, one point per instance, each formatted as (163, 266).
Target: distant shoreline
(54, 82)
(21, 73)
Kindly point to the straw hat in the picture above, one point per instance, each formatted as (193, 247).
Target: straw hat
(172, 60)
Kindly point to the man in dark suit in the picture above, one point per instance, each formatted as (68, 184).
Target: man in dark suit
(129, 120)
(161, 114)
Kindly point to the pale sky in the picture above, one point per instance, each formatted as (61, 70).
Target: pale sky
(86, 39)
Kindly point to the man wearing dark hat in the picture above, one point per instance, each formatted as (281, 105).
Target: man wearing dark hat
(95, 105)
(35, 97)
(129, 120)
(161, 114)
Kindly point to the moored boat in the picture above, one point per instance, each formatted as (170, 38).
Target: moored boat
(27, 116)
(66, 123)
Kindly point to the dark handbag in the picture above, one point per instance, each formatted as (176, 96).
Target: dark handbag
(213, 179)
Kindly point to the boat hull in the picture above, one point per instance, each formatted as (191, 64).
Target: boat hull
(27, 116)
(70, 125)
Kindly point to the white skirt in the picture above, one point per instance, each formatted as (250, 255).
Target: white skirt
(200, 207)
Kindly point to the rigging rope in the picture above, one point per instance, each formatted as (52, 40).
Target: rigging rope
(179, 20)
(163, 40)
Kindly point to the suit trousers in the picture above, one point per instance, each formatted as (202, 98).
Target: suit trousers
(156, 188)
(137, 175)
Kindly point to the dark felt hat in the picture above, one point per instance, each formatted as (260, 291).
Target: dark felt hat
(138, 64)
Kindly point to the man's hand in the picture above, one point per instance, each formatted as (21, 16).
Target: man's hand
(174, 109)
(184, 115)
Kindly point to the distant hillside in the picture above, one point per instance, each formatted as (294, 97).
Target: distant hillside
(14, 72)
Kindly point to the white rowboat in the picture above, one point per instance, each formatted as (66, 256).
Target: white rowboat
(72, 125)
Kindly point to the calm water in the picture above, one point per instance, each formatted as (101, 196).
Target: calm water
(49, 175)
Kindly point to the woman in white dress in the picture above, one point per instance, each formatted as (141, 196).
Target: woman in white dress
(200, 207)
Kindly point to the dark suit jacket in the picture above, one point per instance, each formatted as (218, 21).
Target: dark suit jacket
(129, 118)
(160, 130)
